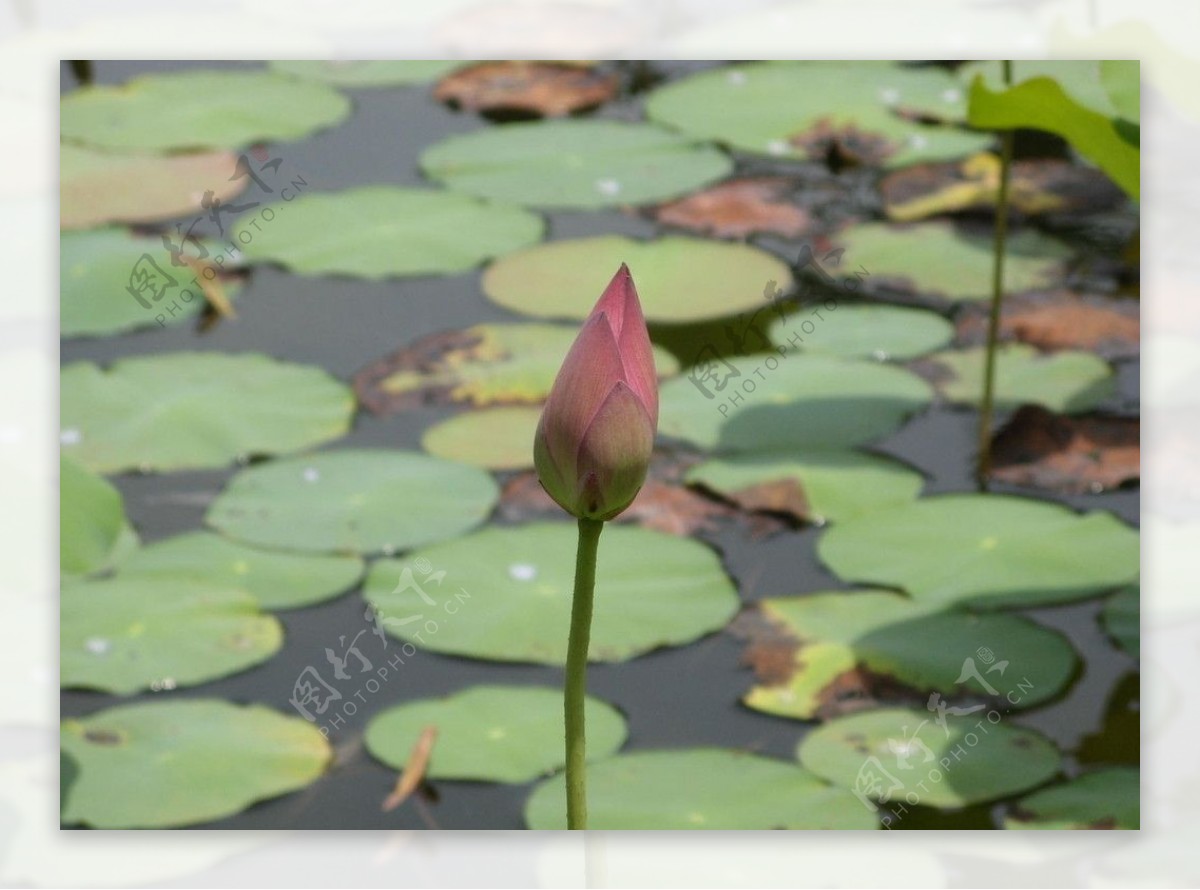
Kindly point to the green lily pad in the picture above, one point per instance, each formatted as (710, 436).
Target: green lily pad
(382, 231)
(93, 532)
(990, 551)
(192, 410)
(1105, 798)
(171, 763)
(804, 109)
(510, 590)
(1081, 78)
(275, 580)
(885, 333)
(199, 109)
(933, 259)
(96, 269)
(1122, 619)
(124, 634)
(764, 403)
(700, 788)
(353, 501)
(367, 73)
(495, 438)
(574, 163)
(492, 733)
(678, 279)
(1067, 382)
(905, 756)
(835, 485)
(487, 364)
(926, 650)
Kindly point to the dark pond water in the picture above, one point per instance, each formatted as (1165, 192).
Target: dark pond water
(680, 697)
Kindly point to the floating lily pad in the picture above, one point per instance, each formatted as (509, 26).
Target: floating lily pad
(796, 403)
(893, 637)
(538, 89)
(275, 580)
(382, 231)
(1068, 381)
(165, 764)
(700, 788)
(678, 279)
(491, 733)
(816, 486)
(905, 756)
(738, 208)
(574, 163)
(190, 410)
(93, 531)
(488, 364)
(199, 109)
(935, 260)
(1107, 798)
(353, 501)
(367, 73)
(1122, 619)
(815, 109)
(984, 550)
(125, 634)
(496, 438)
(506, 593)
(98, 267)
(1122, 82)
(879, 332)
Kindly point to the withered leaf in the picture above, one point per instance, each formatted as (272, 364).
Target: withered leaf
(1056, 320)
(844, 145)
(739, 208)
(524, 88)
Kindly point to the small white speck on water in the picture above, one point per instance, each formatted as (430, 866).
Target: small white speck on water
(777, 147)
(608, 186)
(165, 685)
(522, 571)
(311, 474)
(951, 95)
(388, 549)
(97, 645)
(70, 436)
(889, 95)
(737, 78)
(917, 141)
(879, 355)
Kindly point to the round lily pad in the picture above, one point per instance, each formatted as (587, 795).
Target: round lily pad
(491, 733)
(93, 531)
(506, 593)
(1107, 798)
(990, 551)
(796, 403)
(275, 580)
(125, 634)
(678, 279)
(904, 756)
(924, 649)
(191, 410)
(199, 109)
(98, 267)
(172, 763)
(700, 788)
(367, 73)
(885, 333)
(382, 231)
(574, 163)
(1068, 382)
(934, 259)
(353, 501)
(1122, 619)
(495, 438)
(832, 485)
(815, 109)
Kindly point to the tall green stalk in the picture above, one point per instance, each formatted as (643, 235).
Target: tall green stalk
(575, 689)
(984, 454)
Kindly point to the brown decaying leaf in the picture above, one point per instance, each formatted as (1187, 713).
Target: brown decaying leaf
(414, 770)
(843, 145)
(427, 355)
(546, 89)
(1067, 454)
(739, 208)
(781, 497)
(1060, 320)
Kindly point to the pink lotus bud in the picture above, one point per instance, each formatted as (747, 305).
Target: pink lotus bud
(594, 440)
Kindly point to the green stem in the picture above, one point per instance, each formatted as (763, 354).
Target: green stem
(576, 686)
(986, 407)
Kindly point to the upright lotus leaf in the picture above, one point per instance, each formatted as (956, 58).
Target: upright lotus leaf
(1122, 82)
(885, 333)
(859, 112)
(367, 73)
(580, 164)
(193, 410)
(166, 764)
(384, 232)
(93, 531)
(989, 551)
(701, 789)
(1121, 618)
(1081, 78)
(199, 109)
(1103, 799)
(1067, 381)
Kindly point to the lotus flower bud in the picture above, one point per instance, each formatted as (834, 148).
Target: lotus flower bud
(593, 443)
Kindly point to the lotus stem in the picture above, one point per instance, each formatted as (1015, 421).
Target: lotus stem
(575, 689)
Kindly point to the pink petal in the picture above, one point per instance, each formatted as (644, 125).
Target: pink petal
(620, 303)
